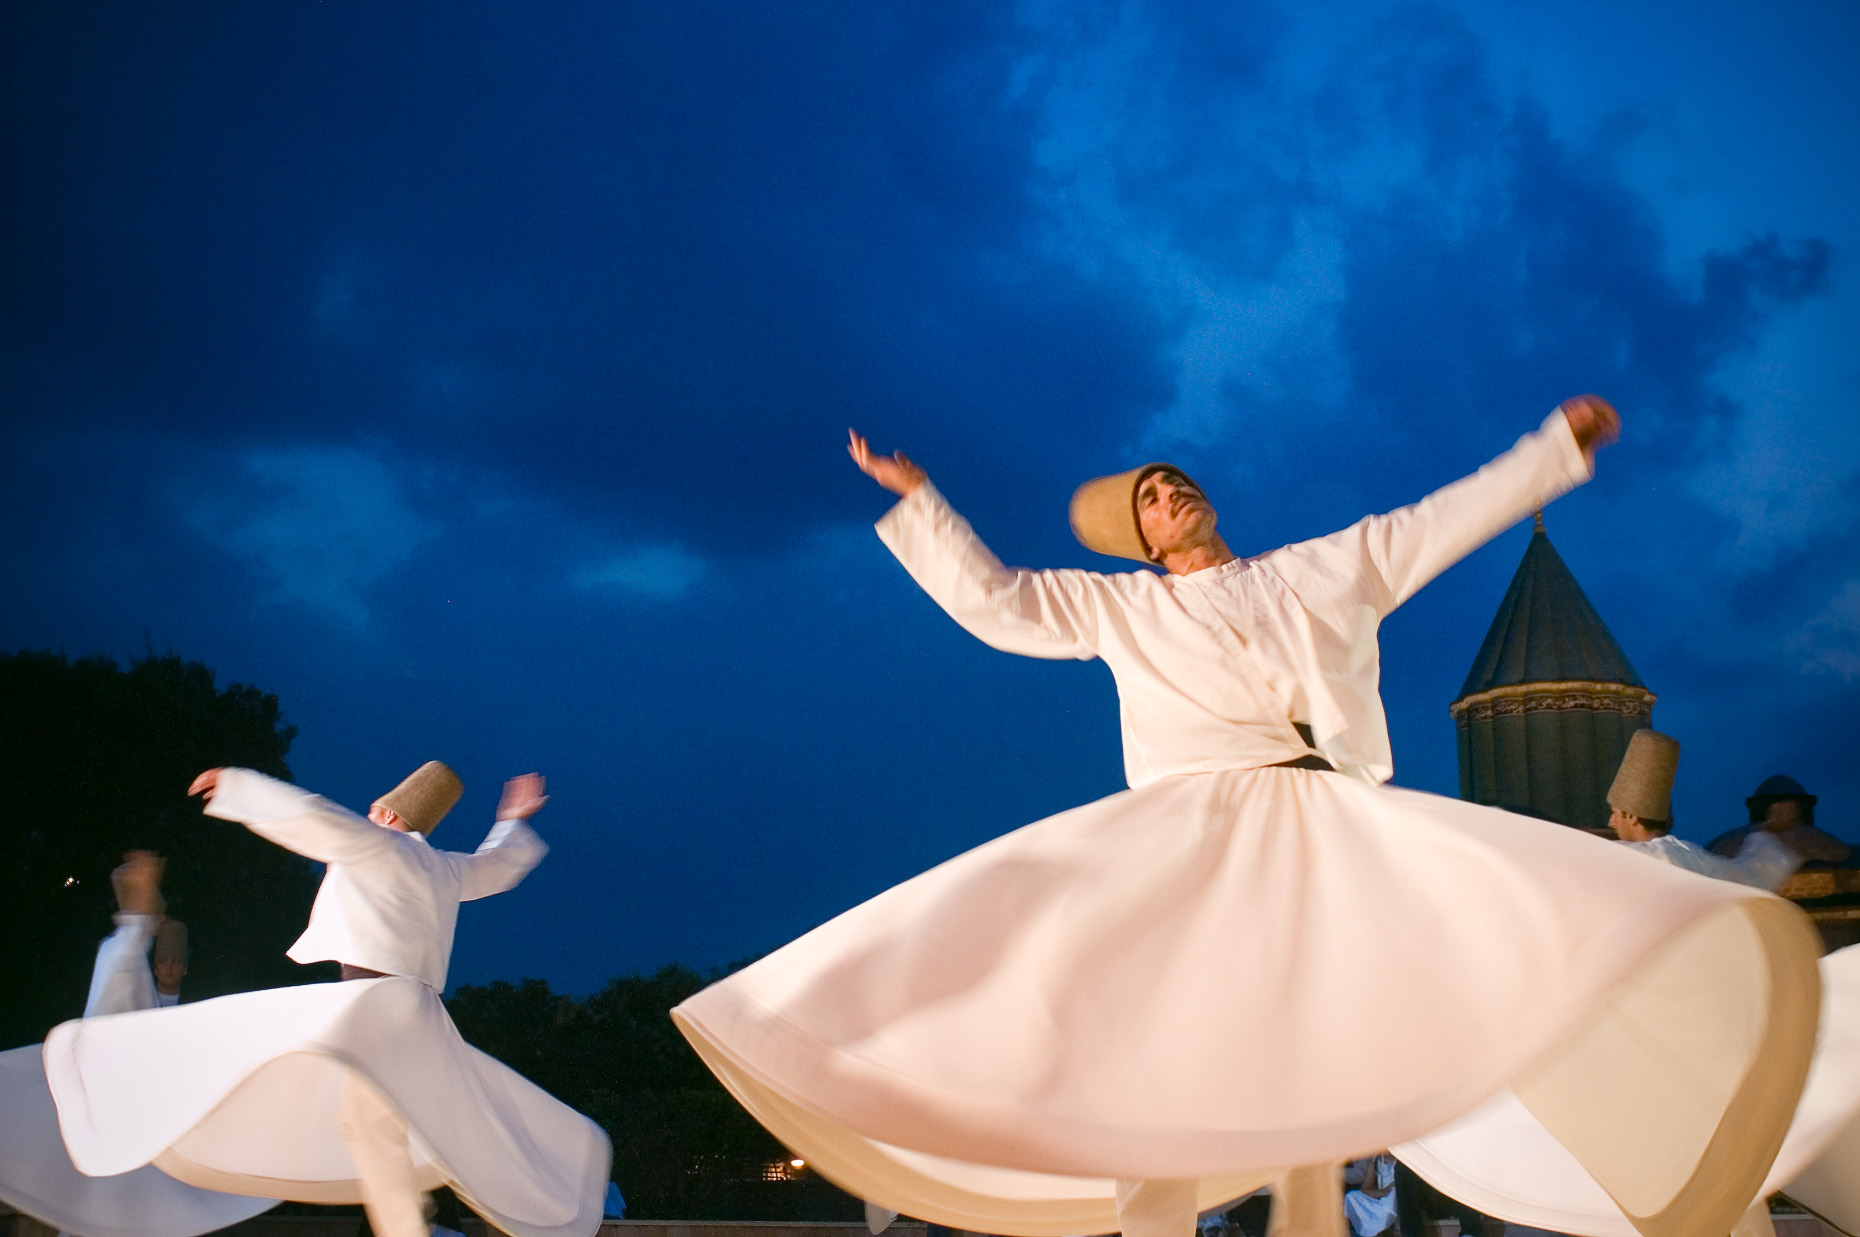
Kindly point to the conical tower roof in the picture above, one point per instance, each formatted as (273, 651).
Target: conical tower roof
(1547, 631)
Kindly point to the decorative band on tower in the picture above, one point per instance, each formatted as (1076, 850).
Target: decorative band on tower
(1518, 699)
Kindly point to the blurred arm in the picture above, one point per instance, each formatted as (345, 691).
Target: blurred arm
(508, 853)
(120, 979)
(295, 819)
(1764, 860)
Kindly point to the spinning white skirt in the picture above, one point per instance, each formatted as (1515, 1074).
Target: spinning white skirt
(38, 1178)
(242, 1095)
(1219, 976)
(1501, 1160)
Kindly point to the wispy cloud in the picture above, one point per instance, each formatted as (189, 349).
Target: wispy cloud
(654, 573)
(1830, 642)
(321, 526)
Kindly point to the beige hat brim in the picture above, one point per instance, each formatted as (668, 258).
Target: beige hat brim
(1104, 513)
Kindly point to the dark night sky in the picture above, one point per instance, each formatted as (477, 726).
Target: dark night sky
(475, 376)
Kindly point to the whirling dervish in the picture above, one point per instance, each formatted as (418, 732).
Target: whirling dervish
(358, 1091)
(1155, 1003)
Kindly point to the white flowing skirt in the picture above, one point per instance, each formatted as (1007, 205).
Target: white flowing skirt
(243, 1095)
(38, 1178)
(1221, 976)
(1501, 1160)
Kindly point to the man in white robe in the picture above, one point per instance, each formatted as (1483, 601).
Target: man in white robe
(388, 905)
(1143, 1007)
(1640, 812)
(327, 1092)
(1369, 1195)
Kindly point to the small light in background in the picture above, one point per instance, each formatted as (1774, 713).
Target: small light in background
(797, 1163)
(70, 881)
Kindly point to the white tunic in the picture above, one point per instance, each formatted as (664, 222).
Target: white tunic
(1168, 983)
(1196, 657)
(389, 902)
(242, 1094)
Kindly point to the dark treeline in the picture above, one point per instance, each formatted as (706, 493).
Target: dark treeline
(96, 760)
(683, 1149)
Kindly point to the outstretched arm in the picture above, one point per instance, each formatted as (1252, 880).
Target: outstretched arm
(120, 979)
(1035, 613)
(1383, 560)
(512, 847)
(295, 819)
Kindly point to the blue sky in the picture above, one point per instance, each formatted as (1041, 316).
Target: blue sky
(475, 379)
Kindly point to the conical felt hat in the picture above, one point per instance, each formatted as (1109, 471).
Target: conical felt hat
(1104, 513)
(171, 942)
(1643, 786)
(425, 797)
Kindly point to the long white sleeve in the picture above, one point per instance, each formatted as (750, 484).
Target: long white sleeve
(295, 819)
(1035, 613)
(120, 979)
(1383, 560)
(1766, 861)
(1763, 861)
(506, 856)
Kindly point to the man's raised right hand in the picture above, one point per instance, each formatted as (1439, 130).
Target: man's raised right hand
(895, 472)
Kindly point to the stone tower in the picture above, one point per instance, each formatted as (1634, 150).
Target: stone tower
(1548, 706)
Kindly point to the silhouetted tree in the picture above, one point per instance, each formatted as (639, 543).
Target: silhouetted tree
(96, 760)
(683, 1148)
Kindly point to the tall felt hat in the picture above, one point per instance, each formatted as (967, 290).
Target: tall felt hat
(1104, 513)
(425, 797)
(171, 942)
(1643, 786)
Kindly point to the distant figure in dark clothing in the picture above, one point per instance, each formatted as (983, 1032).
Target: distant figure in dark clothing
(1783, 807)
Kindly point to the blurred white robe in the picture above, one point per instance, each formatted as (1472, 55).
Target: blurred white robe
(242, 1094)
(1169, 984)
(36, 1174)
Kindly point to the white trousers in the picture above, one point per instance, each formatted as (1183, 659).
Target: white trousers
(376, 1137)
(1306, 1202)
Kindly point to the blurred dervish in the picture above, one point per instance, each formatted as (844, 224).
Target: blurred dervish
(1259, 961)
(37, 1177)
(358, 1091)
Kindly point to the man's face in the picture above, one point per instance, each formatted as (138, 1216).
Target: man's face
(1172, 512)
(1784, 815)
(168, 975)
(1628, 827)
